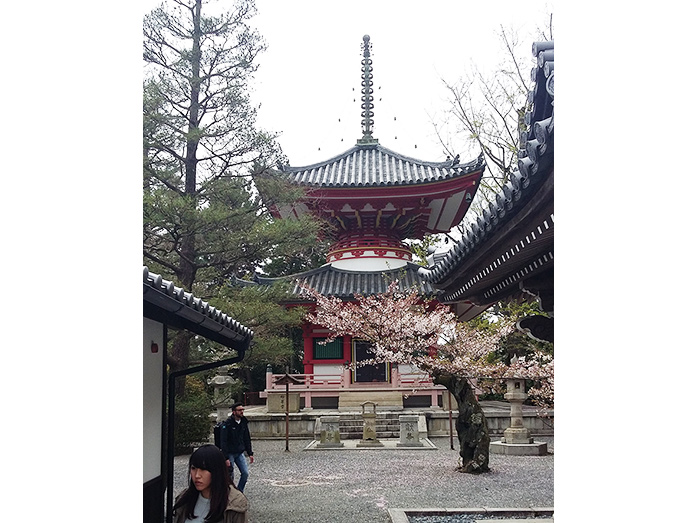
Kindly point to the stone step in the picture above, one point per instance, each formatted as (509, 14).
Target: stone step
(386, 426)
(360, 421)
(380, 435)
(377, 421)
(378, 427)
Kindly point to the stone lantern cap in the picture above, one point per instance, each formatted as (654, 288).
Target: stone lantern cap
(369, 403)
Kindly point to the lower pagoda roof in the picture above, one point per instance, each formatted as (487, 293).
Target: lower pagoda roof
(330, 281)
(508, 251)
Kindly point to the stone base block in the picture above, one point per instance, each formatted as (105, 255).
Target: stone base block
(516, 435)
(518, 449)
(276, 402)
(375, 443)
(329, 445)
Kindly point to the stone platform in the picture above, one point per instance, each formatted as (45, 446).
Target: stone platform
(302, 425)
(387, 444)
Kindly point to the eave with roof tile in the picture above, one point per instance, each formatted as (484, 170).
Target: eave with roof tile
(377, 166)
(165, 302)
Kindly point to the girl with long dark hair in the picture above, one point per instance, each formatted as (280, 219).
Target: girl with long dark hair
(210, 497)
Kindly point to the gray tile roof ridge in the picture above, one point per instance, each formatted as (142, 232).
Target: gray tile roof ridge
(330, 280)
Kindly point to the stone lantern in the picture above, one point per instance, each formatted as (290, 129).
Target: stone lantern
(370, 435)
(222, 396)
(516, 395)
(516, 438)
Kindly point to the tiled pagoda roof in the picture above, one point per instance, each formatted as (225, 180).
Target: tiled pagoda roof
(331, 281)
(374, 165)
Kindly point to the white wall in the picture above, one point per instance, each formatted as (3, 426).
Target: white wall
(325, 369)
(410, 371)
(152, 399)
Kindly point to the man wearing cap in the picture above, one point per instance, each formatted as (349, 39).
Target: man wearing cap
(236, 440)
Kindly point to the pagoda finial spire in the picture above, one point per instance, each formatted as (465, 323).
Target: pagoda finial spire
(367, 96)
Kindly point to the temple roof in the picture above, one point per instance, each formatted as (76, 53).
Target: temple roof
(509, 249)
(331, 281)
(375, 165)
(167, 303)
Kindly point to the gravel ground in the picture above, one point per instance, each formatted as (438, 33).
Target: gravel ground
(360, 485)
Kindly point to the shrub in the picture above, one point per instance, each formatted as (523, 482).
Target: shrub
(192, 423)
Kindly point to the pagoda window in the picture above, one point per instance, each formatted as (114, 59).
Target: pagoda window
(333, 350)
(368, 373)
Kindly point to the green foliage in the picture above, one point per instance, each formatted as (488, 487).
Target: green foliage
(422, 249)
(192, 422)
(517, 343)
(204, 158)
(275, 326)
(306, 258)
(204, 222)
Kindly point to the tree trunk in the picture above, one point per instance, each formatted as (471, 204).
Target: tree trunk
(187, 255)
(472, 431)
(179, 358)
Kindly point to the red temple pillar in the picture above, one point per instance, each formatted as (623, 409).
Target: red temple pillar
(308, 367)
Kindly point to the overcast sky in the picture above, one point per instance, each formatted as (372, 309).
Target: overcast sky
(310, 75)
(308, 82)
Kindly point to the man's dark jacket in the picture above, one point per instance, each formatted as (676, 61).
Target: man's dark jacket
(235, 438)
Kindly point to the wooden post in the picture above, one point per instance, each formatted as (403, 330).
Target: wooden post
(287, 416)
(286, 380)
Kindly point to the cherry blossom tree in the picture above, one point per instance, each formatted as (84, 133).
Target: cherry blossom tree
(403, 328)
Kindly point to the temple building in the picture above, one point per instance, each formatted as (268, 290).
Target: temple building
(375, 199)
(507, 253)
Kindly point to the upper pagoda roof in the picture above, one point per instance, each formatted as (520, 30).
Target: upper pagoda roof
(374, 165)
(368, 164)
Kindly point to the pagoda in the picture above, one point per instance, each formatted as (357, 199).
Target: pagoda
(375, 199)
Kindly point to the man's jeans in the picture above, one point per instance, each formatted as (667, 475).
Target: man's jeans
(241, 461)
